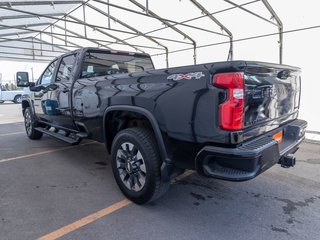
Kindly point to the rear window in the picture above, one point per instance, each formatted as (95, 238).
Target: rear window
(104, 63)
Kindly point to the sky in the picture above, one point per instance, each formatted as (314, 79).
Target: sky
(300, 49)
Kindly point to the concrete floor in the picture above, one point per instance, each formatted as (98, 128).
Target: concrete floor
(46, 185)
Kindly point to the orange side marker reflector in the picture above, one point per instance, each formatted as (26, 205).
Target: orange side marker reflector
(278, 136)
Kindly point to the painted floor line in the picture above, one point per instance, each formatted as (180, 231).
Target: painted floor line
(8, 134)
(97, 215)
(41, 153)
(85, 221)
(11, 122)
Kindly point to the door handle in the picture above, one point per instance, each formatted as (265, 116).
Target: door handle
(65, 90)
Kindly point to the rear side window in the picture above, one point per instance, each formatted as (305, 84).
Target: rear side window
(65, 68)
(105, 63)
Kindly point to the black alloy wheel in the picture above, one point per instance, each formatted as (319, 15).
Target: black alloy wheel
(136, 165)
(30, 124)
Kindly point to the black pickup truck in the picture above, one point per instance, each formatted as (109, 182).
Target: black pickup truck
(228, 120)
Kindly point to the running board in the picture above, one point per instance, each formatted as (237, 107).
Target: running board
(59, 136)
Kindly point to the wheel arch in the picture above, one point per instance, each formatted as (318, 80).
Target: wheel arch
(147, 115)
(24, 105)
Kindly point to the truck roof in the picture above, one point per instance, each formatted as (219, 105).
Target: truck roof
(112, 51)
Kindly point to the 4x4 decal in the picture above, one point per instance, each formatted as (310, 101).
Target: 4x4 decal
(188, 76)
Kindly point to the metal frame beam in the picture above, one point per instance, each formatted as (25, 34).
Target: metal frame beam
(109, 35)
(89, 25)
(65, 23)
(25, 59)
(28, 16)
(172, 22)
(32, 3)
(41, 42)
(63, 40)
(29, 55)
(280, 28)
(273, 14)
(16, 33)
(132, 29)
(195, 18)
(100, 42)
(250, 12)
(33, 49)
(83, 37)
(172, 27)
(26, 26)
(216, 21)
(104, 43)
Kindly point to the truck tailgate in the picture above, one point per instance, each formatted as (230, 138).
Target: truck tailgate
(272, 95)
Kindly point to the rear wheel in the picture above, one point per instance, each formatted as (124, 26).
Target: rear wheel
(30, 125)
(136, 165)
(17, 99)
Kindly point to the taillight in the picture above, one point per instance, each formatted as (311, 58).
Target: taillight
(231, 112)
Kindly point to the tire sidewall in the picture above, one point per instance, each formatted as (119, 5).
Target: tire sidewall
(33, 133)
(150, 182)
(28, 110)
(17, 99)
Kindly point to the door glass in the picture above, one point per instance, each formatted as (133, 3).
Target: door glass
(100, 63)
(65, 68)
(47, 75)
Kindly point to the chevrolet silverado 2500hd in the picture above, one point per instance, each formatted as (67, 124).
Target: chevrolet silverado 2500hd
(228, 120)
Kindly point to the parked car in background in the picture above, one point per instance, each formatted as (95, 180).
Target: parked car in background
(7, 95)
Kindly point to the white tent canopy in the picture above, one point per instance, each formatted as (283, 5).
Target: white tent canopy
(41, 30)
(173, 32)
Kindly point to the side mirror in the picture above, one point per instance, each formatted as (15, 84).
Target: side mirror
(22, 79)
(33, 88)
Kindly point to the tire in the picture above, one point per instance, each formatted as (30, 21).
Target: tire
(136, 165)
(30, 125)
(17, 99)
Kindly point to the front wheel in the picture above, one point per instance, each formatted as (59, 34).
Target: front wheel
(30, 125)
(136, 165)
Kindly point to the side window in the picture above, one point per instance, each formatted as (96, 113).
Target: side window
(65, 68)
(46, 77)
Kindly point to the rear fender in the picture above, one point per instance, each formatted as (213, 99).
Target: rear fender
(166, 162)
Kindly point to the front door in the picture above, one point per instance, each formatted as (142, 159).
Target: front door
(40, 92)
(59, 94)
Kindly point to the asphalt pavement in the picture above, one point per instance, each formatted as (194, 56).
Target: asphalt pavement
(52, 190)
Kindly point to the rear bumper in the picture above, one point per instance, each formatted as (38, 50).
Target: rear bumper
(251, 158)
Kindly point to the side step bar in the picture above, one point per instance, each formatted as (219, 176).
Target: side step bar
(70, 140)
